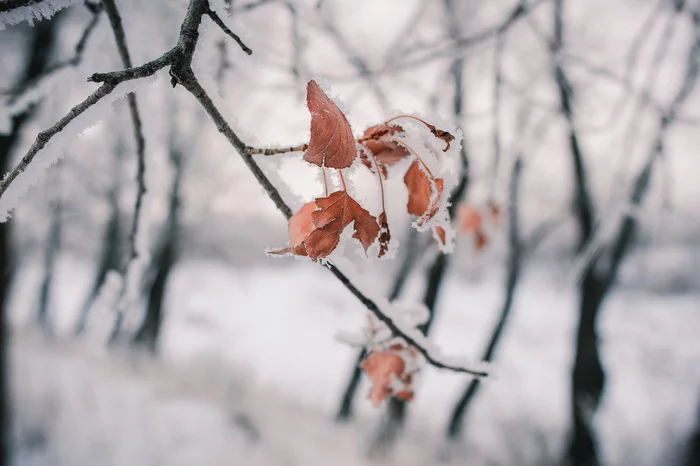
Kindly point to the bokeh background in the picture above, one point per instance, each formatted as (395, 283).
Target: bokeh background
(581, 126)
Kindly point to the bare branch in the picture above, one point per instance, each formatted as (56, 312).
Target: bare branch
(7, 5)
(45, 136)
(275, 151)
(17, 93)
(215, 17)
(116, 23)
(583, 199)
(521, 10)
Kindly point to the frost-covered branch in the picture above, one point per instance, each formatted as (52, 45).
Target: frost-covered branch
(15, 11)
(45, 136)
(215, 17)
(19, 92)
(275, 150)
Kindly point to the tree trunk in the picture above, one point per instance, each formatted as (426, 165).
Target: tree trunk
(515, 253)
(149, 331)
(110, 259)
(588, 376)
(42, 44)
(53, 245)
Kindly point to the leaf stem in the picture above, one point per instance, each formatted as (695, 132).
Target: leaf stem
(404, 144)
(342, 180)
(325, 180)
(379, 175)
(411, 117)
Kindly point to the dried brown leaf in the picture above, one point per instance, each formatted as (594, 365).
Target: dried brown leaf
(440, 134)
(332, 143)
(334, 213)
(381, 367)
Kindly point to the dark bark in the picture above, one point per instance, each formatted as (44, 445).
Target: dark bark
(588, 376)
(514, 266)
(110, 257)
(691, 455)
(149, 331)
(53, 245)
(42, 43)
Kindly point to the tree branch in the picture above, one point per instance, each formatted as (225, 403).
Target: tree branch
(180, 59)
(17, 93)
(215, 17)
(115, 22)
(275, 151)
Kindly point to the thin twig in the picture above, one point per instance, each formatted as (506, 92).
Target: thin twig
(215, 17)
(275, 150)
(16, 93)
(45, 136)
(120, 37)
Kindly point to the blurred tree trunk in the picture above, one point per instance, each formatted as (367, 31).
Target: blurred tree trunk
(162, 265)
(41, 45)
(588, 377)
(692, 453)
(51, 251)
(111, 255)
(515, 253)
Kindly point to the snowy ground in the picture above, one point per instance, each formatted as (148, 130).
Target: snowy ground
(251, 374)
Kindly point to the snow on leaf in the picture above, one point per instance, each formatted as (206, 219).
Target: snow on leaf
(440, 134)
(424, 193)
(385, 152)
(418, 187)
(383, 369)
(332, 143)
(334, 213)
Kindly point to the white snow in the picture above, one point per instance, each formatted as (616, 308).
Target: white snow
(260, 342)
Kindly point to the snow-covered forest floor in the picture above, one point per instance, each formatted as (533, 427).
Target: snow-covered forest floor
(249, 373)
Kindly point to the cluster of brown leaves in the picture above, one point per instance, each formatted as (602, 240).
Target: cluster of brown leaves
(471, 220)
(387, 370)
(315, 230)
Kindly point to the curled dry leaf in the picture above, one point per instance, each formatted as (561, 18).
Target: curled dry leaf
(384, 234)
(332, 143)
(385, 152)
(299, 227)
(334, 213)
(421, 199)
(383, 368)
(440, 134)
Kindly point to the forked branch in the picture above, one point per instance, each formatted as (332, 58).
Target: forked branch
(179, 58)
